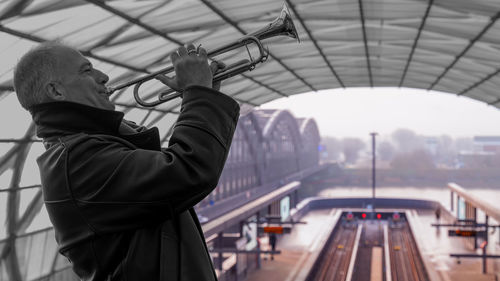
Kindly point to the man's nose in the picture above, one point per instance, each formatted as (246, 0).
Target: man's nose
(101, 78)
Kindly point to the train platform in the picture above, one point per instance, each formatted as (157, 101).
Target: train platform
(299, 249)
(436, 247)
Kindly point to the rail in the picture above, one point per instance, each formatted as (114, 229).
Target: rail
(405, 260)
(487, 208)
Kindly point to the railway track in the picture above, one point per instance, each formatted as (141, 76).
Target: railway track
(406, 264)
(335, 261)
(370, 262)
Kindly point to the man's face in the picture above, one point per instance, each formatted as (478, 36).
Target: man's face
(80, 82)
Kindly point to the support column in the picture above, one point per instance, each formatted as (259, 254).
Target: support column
(220, 240)
(258, 241)
(451, 197)
(295, 198)
(474, 210)
(485, 270)
(486, 229)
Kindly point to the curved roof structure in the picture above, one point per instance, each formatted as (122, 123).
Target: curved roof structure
(445, 45)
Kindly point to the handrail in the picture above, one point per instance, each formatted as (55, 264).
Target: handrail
(488, 208)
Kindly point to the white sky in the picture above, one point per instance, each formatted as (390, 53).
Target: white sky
(355, 112)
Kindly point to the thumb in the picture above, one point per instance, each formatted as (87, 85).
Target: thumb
(215, 66)
(169, 81)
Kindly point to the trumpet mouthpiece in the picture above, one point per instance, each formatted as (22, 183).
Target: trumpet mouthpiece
(109, 91)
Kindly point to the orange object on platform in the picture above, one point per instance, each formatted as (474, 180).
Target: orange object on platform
(273, 229)
(466, 233)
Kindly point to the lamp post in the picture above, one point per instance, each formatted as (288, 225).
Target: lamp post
(373, 134)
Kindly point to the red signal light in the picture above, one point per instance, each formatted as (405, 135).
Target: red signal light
(363, 215)
(379, 216)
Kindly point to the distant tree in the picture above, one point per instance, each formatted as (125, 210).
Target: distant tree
(464, 144)
(333, 147)
(407, 140)
(445, 151)
(385, 150)
(419, 159)
(351, 148)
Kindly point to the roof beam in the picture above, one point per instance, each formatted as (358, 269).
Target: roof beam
(497, 101)
(315, 42)
(422, 24)
(235, 25)
(6, 88)
(14, 8)
(475, 85)
(32, 210)
(367, 53)
(133, 20)
(19, 140)
(466, 49)
(157, 32)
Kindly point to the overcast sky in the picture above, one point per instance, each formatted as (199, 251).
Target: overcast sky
(356, 112)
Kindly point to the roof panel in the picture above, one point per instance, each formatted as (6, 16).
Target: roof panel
(478, 7)
(389, 9)
(139, 53)
(178, 15)
(79, 26)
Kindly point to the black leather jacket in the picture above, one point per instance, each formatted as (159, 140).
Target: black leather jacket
(121, 205)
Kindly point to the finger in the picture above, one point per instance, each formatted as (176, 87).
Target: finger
(214, 66)
(220, 64)
(169, 81)
(191, 49)
(174, 57)
(202, 53)
(182, 51)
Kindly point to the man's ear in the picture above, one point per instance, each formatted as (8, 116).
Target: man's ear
(55, 91)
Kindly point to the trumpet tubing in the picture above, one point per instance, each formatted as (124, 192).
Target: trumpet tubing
(281, 26)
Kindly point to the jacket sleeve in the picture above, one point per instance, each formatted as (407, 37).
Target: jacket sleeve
(119, 187)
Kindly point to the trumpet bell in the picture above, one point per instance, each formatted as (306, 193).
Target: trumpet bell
(282, 26)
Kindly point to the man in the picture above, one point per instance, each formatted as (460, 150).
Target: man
(122, 206)
(272, 242)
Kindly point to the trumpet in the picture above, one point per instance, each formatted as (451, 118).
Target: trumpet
(282, 25)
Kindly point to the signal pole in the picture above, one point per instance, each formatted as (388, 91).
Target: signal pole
(373, 134)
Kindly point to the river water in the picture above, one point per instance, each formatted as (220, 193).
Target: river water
(441, 195)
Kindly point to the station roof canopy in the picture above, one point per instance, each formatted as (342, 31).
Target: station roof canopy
(446, 45)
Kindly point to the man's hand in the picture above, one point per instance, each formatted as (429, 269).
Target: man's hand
(191, 69)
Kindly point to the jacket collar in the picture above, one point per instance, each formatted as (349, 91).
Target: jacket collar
(63, 118)
(56, 119)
